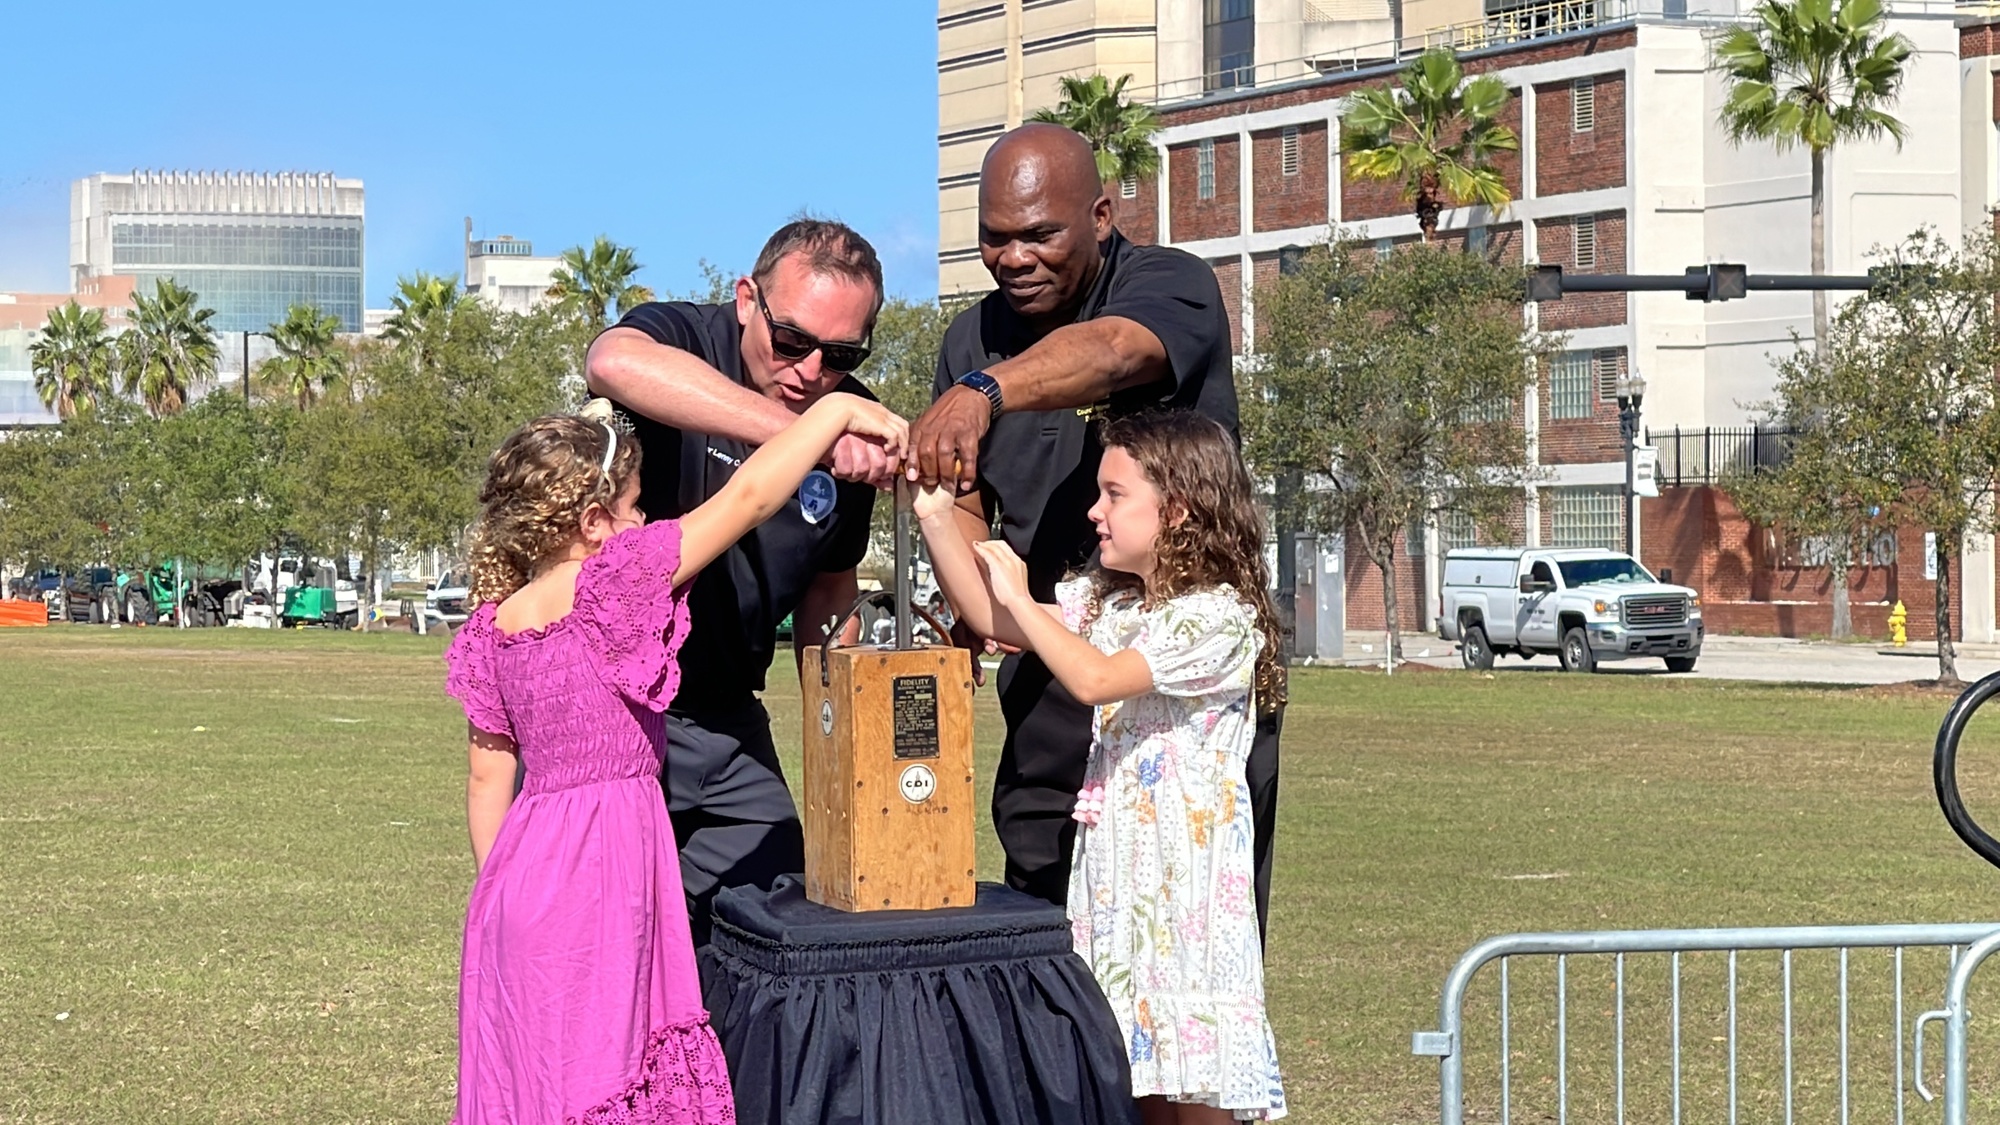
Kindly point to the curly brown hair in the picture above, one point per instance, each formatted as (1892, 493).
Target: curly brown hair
(1210, 530)
(538, 484)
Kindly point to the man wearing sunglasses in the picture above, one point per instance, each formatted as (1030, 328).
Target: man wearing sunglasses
(704, 385)
(1084, 323)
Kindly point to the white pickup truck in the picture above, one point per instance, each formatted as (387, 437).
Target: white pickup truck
(1580, 605)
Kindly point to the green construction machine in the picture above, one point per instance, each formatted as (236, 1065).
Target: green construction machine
(160, 594)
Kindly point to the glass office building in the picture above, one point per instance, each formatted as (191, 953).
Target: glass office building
(251, 244)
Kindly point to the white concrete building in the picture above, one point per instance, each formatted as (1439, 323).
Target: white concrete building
(505, 273)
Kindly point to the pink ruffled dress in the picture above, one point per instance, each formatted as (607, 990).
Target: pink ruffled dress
(578, 998)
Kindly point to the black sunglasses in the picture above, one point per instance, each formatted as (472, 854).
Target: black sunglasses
(792, 344)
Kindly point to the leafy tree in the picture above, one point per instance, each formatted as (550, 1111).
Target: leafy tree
(208, 486)
(1810, 73)
(1120, 130)
(1434, 133)
(394, 463)
(307, 363)
(65, 491)
(72, 360)
(1816, 495)
(169, 347)
(716, 287)
(1904, 397)
(590, 282)
(1392, 389)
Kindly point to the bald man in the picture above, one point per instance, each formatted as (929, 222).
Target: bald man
(1084, 325)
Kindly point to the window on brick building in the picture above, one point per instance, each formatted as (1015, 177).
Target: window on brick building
(1571, 389)
(1585, 242)
(1288, 151)
(1384, 247)
(1456, 530)
(1497, 409)
(1204, 169)
(1584, 517)
(1583, 104)
(1609, 363)
(1475, 240)
(1290, 258)
(1128, 187)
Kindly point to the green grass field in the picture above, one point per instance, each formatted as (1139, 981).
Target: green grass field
(233, 869)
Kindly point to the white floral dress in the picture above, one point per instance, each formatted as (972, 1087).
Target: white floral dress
(1160, 895)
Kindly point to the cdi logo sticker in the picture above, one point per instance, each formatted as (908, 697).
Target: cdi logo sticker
(816, 496)
(826, 717)
(918, 784)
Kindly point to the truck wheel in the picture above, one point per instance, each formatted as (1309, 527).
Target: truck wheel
(105, 612)
(138, 608)
(1473, 650)
(1680, 663)
(1576, 655)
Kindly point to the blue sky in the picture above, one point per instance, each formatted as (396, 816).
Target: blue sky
(685, 129)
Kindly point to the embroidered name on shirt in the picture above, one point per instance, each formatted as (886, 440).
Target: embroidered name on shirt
(719, 455)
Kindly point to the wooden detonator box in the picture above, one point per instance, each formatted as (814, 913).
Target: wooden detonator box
(888, 761)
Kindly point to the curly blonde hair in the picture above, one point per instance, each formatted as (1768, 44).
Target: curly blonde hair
(538, 485)
(1219, 538)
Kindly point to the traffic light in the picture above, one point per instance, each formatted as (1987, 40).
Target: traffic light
(1728, 281)
(1545, 283)
(1718, 281)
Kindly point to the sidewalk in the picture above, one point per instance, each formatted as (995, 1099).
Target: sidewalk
(1780, 659)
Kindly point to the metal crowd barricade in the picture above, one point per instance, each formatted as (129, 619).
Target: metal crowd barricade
(1967, 946)
(1448, 1043)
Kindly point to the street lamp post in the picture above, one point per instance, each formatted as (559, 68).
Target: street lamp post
(1631, 393)
(246, 360)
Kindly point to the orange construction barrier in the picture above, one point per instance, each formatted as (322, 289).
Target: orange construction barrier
(14, 612)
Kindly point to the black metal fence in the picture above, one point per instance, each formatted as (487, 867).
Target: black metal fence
(1713, 454)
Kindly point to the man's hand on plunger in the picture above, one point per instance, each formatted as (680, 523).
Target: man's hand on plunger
(945, 440)
(865, 460)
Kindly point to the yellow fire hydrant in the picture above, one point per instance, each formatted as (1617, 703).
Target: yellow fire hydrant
(1898, 635)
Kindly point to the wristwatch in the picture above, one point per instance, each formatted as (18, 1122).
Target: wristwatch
(985, 384)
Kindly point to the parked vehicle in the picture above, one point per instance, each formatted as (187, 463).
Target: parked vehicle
(1582, 606)
(209, 597)
(70, 595)
(446, 599)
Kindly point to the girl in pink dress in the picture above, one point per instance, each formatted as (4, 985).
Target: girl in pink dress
(578, 997)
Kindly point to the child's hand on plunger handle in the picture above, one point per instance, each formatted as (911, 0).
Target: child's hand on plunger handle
(949, 537)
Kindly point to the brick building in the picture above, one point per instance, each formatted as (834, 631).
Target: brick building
(1621, 169)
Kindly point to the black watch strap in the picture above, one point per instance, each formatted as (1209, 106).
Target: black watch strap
(985, 384)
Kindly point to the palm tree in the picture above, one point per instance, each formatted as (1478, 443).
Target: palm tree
(1810, 74)
(1120, 132)
(1436, 133)
(422, 304)
(72, 360)
(169, 348)
(307, 363)
(590, 281)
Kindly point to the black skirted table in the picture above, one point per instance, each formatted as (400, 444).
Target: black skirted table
(980, 1015)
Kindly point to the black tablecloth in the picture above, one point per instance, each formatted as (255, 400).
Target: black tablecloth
(980, 1015)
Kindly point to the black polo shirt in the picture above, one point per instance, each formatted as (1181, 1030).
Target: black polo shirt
(1038, 469)
(738, 601)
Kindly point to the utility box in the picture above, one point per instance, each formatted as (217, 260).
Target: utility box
(888, 777)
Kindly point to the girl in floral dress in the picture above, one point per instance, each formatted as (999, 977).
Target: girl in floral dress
(578, 995)
(1171, 637)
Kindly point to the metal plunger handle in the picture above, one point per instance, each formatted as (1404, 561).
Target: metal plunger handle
(906, 633)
